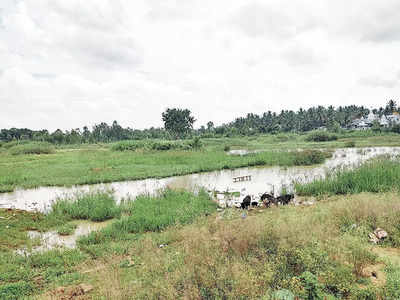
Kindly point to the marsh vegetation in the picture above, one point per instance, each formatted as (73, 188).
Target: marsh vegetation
(174, 244)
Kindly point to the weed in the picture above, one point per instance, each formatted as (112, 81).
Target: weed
(95, 206)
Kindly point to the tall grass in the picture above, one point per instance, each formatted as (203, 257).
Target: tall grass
(32, 148)
(155, 213)
(94, 206)
(380, 175)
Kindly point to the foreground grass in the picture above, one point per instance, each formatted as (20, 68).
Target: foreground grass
(320, 251)
(379, 175)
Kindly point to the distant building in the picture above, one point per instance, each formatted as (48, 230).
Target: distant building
(368, 121)
(393, 119)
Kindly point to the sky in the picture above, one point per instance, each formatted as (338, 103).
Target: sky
(69, 63)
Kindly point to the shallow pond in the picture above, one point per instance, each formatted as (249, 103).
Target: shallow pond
(52, 240)
(263, 179)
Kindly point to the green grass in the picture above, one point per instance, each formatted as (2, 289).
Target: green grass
(102, 165)
(302, 251)
(66, 229)
(96, 163)
(95, 206)
(155, 213)
(379, 175)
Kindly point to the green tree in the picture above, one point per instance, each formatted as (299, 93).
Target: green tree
(178, 122)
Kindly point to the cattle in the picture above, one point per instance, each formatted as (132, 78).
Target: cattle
(246, 202)
(254, 203)
(268, 199)
(285, 199)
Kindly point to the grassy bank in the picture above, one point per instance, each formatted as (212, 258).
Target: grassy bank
(104, 165)
(321, 251)
(375, 176)
(89, 164)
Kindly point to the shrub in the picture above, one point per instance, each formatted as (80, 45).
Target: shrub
(95, 206)
(15, 290)
(350, 144)
(157, 145)
(321, 136)
(13, 143)
(32, 148)
(308, 157)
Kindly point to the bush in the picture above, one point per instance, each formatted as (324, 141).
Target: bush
(157, 145)
(8, 145)
(350, 144)
(15, 290)
(308, 157)
(321, 136)
(32, 148)
(95, 206)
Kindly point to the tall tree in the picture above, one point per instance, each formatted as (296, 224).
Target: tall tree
(178, 122)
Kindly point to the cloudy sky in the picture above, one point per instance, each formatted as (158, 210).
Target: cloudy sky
(69, 63)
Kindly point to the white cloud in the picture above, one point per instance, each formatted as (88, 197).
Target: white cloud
(71, 63)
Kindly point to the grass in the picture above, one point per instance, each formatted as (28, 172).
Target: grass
(95, 206)
(155, 213)
(66, 229)
(376, 176)
(304, 251)
(307, 251)
(96, 163)
(102, 165)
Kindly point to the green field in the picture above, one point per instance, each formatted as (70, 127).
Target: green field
(176, 245)
(89, 164)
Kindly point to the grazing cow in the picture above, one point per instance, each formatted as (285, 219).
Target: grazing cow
(268, 199)
(246, 202)
(285, 199)
(254, 203)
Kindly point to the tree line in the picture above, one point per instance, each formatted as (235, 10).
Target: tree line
(178, 123)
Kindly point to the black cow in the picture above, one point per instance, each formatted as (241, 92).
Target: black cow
(254, 203)
(285, 199)
(268, 199)
(246, 202)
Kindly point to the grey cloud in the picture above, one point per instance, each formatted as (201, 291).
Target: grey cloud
(373, 21)
(44, 75)
(258, 19)
(300, 56)
(375, 81)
